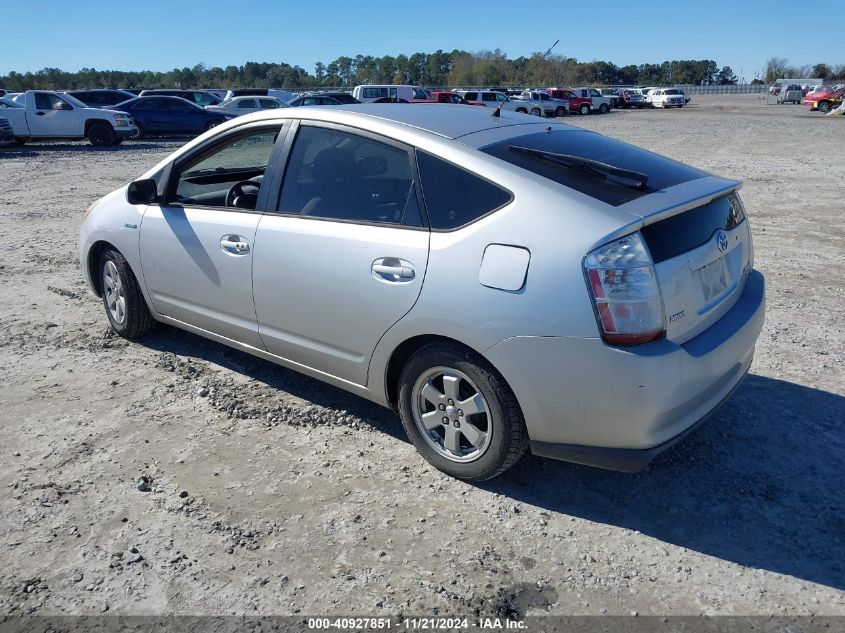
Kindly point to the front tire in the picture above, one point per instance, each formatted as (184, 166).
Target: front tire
(140, 133)
(560, 112)
(603, 109)
(824, 107)
(125, 306)
(584, 109)
(101, 135)
(536, 112)
(484, 432)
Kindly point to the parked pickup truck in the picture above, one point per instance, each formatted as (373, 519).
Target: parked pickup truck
(40, 114)
(441, 96)
(824, 99)
(601, 104)
(581, 105)
(540, 103)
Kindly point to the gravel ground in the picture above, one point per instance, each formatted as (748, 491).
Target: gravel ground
(174, 475)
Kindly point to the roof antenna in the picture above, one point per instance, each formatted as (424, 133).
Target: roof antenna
(497, 112)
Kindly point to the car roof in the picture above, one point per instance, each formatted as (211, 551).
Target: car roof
(450, 121)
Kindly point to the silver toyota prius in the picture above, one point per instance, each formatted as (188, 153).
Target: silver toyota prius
(502, 282)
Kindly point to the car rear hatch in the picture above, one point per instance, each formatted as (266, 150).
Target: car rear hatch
(692, 223)
(702, 257)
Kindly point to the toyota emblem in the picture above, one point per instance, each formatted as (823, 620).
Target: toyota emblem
(722, 240)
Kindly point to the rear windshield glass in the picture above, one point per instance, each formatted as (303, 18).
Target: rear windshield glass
(659, 172)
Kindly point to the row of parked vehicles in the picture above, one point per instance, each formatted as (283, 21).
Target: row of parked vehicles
(107, 117)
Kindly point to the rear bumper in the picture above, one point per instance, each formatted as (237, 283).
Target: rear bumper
(587, 402)
(626, 460)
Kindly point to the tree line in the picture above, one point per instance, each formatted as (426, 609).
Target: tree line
(780, 68)
(438, 69)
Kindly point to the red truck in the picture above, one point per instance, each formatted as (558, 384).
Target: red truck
(581, 105)
(441, 96)
(824, 100)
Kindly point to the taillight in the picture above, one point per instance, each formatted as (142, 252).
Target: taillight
(625, 292)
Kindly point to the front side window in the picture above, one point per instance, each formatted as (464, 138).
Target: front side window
(230, 175)
(453, 196)
(343, 176)
(47, 101)
(246, 103)
(268, 103)
(178, 105)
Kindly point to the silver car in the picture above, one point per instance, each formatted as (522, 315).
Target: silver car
(502, 282)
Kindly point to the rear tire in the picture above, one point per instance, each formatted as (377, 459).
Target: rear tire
(522, 110)
(211, 124)
(101, 135)
(824, 107)
(536, 112)
(494, 436)
(123, 300)
(603, 109)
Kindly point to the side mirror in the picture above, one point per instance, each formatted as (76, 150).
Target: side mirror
(66, 106)
(142, 192)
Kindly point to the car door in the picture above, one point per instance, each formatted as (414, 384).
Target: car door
(197, 249)
(344, 255)
(53, 116)
(152, 113)
(184, 117)
(245, 106)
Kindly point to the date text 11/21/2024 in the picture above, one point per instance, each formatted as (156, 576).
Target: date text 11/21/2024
(414, 624)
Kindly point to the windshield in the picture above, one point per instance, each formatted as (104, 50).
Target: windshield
(671, 92)
(8, 103)
(73, 101)
(603, 156)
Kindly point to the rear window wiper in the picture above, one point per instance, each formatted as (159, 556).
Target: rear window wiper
(626, 177)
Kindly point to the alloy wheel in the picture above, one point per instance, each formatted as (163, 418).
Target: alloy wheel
(115, 295)
(451, 414)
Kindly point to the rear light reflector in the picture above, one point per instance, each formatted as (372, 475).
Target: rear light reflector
(623, 285)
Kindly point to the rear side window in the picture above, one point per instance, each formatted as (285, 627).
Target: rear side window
(333, 174)
(455, 197)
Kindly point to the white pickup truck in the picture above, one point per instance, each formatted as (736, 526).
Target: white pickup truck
(529, 102)
(41, 114)
(540, 103)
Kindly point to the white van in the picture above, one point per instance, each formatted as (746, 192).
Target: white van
(369, 93)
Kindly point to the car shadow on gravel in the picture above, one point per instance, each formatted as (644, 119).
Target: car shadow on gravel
(175, 341)
(760, 484)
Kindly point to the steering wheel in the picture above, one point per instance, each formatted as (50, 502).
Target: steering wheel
(238, 195)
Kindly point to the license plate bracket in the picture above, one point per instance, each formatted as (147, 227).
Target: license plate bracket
(714, 279)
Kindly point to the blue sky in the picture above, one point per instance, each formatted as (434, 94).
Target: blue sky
(161, 35)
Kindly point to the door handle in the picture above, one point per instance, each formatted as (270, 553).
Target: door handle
(40, 113)
(234, 244)
(398, 271)
(393, 269)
